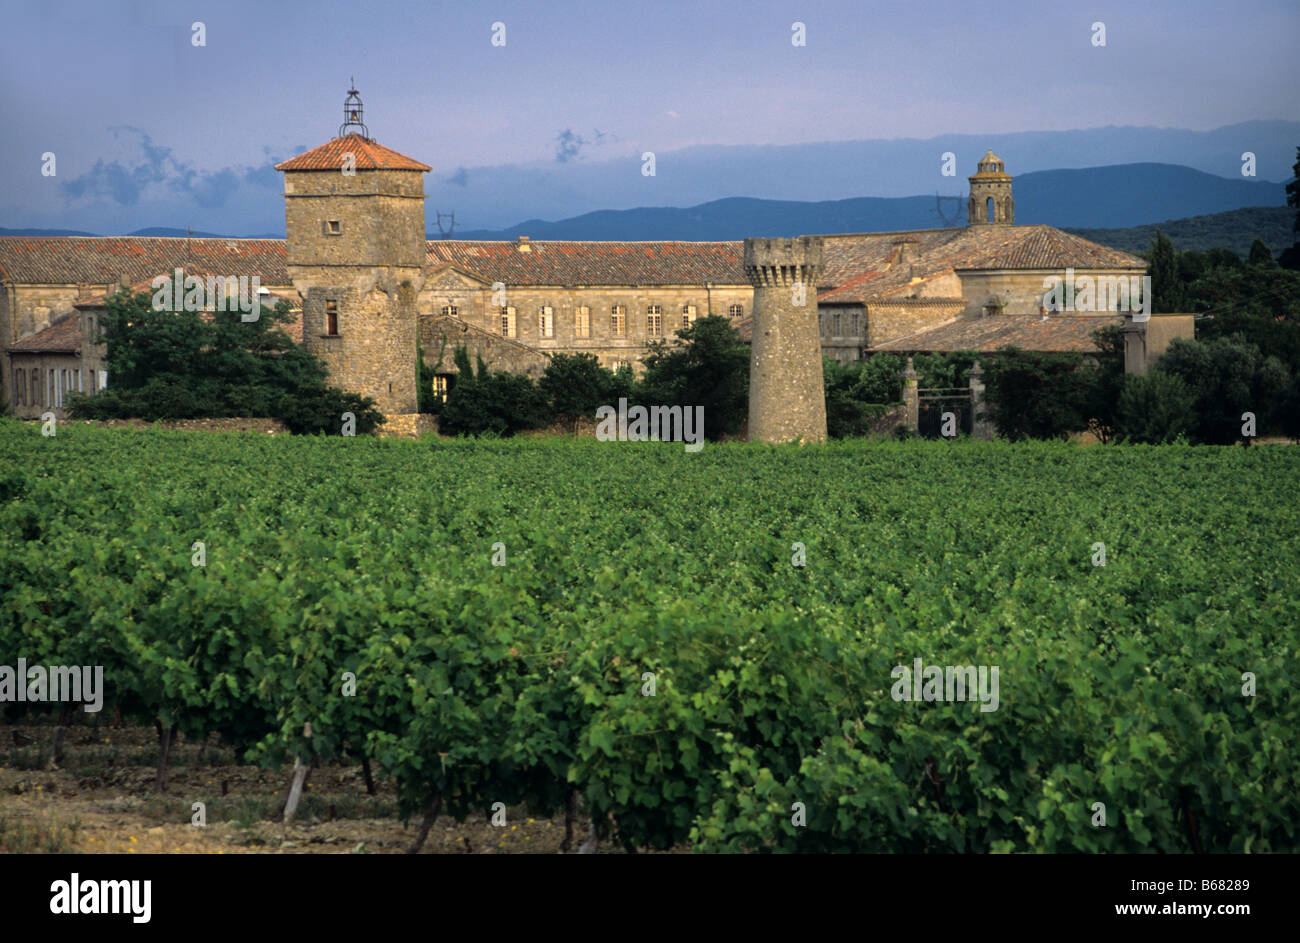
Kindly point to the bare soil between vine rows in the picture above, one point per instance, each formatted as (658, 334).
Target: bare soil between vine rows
(102, 799)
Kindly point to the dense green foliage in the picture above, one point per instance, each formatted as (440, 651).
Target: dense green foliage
(577, 385)
(1227, 377)
(1256, 301)
(491, 401)
(859, 392)
(709, 367)
(1156, 407)
(1033, 395)
(478, 683)
(165, 364)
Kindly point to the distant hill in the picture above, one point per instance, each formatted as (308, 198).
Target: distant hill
(1235, 230)
(169, 231)
(43, 232)
(1113, 197)
(151, 231)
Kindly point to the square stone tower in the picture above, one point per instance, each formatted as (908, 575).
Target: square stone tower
(354, 221)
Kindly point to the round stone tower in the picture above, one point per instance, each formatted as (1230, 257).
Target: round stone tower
(990, 194)
(787, 398)
(354, 221)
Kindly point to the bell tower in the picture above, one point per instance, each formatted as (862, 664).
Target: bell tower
(990, 194)
(354, 222)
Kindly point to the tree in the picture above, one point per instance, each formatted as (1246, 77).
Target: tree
(1290, 258)
(576, 385)
(168, 364)
(1166, 278)
(1286, 415)
(491, 402)
(1228, 377)
(1038, 395)
(1260, 256)
(710, 369)
(1155, 407)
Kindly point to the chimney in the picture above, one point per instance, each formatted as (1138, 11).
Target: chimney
(523, 244)
(906, 251)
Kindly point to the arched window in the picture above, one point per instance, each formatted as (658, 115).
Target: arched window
(992, 217)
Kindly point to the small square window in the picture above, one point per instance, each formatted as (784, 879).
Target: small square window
(333, 227)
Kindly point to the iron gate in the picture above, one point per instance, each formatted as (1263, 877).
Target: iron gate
(933, 403)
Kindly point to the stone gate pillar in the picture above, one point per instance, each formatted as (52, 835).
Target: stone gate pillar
(981, 429)
(911, 396)
(787, 395)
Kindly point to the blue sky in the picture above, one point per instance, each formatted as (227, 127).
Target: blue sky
(148, 129)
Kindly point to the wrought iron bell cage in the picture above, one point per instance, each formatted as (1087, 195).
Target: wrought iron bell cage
(353, 112)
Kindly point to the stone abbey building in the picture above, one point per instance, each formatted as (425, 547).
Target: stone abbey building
(365, 283)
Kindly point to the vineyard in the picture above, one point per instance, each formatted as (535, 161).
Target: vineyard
(693, 649)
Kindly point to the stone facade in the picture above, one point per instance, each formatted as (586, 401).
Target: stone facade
(1146, 341)
(649, 313)
(787, 400)
(46, 367)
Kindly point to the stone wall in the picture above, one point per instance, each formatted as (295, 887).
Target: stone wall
(440, 336)
(380, 215)
(407, 426)
(1146, 341)
(1021, 291)
(887, 322)
(27, 309)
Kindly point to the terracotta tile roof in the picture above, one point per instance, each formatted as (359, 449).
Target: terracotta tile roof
(368, 155)
(268, 297)
(593, 263)
(1058, 333)
(857, 267)
(865, 266)
(62, 336)
(103, 260)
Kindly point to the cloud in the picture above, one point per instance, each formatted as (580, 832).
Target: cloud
(124, 182)
(460, 178)
(569, 144)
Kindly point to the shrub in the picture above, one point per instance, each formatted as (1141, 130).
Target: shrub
(576, 385)
(491, 402)
(1037, 395)
(710, 369)
(1227, 377)
(1155, 407)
